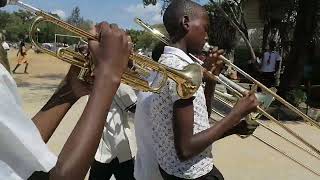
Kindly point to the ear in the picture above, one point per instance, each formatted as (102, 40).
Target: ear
(185, 23)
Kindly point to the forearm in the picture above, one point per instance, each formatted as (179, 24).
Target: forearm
(232, 131)
(48, 121)
(52, 113)
(209, 93)
(80, 148)
(197, 143)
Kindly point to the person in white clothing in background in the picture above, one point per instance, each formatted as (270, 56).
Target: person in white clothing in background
(114, 155)
(270, 65)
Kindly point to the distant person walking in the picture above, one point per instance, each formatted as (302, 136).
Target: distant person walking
(22, 58)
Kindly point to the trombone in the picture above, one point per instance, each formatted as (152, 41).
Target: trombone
(240, 91)
(273, 146)
(188, 79)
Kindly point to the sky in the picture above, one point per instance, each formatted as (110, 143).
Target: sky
(121, 12)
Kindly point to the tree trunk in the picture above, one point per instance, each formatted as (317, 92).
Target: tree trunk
(266, 31)
(300, 51)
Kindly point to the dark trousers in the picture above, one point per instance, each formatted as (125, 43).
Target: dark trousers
(268, 79)
(214, 174)
(104, 171)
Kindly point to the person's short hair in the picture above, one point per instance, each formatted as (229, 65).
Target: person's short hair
(272, 45)
(176, 10)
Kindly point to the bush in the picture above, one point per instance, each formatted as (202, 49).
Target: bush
(296, 96)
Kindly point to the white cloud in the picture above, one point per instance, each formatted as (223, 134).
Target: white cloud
(150, 14)
(60, 13)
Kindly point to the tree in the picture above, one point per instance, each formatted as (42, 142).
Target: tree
(18, 26)
(4, 19)
(304, 34)
(75, 18)
(143, 39)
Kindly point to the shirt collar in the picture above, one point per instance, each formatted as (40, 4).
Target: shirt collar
(178, 52)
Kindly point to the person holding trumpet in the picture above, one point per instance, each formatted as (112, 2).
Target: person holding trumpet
(182, 136)
(23, 152)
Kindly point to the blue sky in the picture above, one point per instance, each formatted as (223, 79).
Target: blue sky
(121, 12)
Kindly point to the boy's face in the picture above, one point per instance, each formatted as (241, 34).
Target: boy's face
(197, 35)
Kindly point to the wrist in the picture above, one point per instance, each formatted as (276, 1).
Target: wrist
(106, 74)
(106, 79)
(235, 116)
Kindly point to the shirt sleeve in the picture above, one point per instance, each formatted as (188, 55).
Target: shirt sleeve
(126, 95)
(22, 148)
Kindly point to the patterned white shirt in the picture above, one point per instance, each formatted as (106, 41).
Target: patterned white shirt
(162, 131)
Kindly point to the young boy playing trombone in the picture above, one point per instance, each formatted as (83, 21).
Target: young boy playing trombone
(181, 133)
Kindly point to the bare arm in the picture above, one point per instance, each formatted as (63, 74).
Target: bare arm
(78, 152)
(213, 64)
(188, 144)
(69, 91)
(209, 93)
(112, 54)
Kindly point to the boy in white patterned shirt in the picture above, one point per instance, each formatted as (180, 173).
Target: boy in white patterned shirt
(181, 133)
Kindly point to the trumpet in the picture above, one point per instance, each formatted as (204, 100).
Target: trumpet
(240, 91)
(188, 79)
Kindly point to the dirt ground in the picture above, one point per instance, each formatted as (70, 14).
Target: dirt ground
(238, 159)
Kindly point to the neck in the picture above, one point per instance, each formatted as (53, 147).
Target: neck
(180, 45)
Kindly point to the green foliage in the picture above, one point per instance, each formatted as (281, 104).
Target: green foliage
(4, 19)
(296, 96)
(134, 34)
(222, 33)
(75, 18)
(16, 26)
(144, 40)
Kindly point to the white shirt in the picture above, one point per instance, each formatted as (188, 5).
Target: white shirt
(5, 46)
(146, 165)
(117, 137)
(271, 66)
(22, 150)
(162, 131)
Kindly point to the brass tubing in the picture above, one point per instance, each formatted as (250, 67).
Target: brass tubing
(276, 149)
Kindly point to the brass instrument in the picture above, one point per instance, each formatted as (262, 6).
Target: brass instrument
(240, 91)
(188, 80)
(273, 146)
